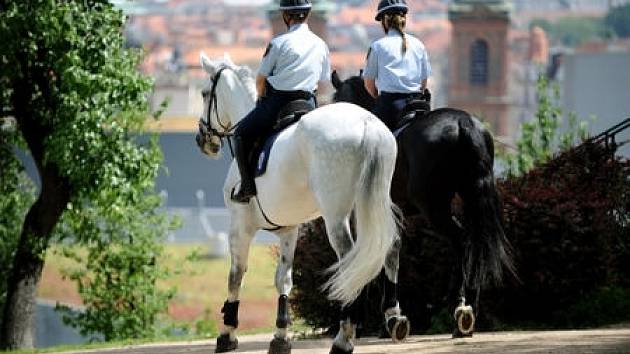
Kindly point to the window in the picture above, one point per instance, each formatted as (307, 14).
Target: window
(479, 63)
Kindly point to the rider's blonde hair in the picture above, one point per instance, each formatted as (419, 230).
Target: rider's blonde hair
(396, 21)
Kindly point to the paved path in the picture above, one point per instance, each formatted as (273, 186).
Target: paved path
(610, 341)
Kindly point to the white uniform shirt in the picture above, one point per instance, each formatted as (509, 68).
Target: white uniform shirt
(296, 60)
(394, 71)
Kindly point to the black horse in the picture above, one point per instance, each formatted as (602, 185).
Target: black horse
(442, 154)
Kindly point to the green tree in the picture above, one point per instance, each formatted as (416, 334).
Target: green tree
(78, 100)
(540, 137)
(618, 19)
(572, 31)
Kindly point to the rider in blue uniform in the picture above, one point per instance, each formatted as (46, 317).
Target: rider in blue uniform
(291, 68)
(397, 67)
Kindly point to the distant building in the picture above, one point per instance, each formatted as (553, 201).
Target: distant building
(479, 65)
(596, 84)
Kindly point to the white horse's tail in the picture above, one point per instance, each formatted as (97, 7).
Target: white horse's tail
(377, 219)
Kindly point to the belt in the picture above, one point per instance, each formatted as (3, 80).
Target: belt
(294, 95)
(400, 95)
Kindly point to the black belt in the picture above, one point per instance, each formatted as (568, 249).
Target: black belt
(400, 95)
(292, 95)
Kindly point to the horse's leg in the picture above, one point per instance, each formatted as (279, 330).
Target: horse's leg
(396, 324)
(336, 205)
(441, 218)
(241, 237)
(463, 314)
(338, 231)
(280, 343)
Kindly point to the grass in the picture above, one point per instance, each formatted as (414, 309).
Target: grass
(201, 287)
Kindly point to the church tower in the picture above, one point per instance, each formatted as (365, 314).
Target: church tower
(478, 62)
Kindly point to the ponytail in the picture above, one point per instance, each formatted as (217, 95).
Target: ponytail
(396, 21)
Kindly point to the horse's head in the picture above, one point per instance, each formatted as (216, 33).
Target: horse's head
(227, 96)
(352, 90)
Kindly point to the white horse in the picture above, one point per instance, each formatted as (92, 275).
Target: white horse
(336, 158)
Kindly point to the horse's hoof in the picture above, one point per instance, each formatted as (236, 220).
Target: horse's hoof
(398, 327)
(465, 322)
(279, 346)
(336, 350)
(224, 344)
(458, 334)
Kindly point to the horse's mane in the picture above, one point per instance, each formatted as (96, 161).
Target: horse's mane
(358, 88)
(244, 74)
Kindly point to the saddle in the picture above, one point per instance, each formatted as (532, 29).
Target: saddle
(291, 113)
(414, 109)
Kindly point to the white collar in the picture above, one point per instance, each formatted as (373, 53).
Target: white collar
(298, 26)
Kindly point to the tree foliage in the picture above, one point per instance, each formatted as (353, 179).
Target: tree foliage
(118, 278)
(79, 103)
(569, 223)
(618, 19)
(573, 31)
(541, 136)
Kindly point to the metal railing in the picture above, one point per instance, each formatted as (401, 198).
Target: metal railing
(609, 136)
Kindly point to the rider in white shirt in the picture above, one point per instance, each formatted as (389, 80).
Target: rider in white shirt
(397, 66)
(291, 68)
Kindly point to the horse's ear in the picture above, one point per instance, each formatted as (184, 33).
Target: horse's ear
(336, 81)
(206, 63)
(228, 59)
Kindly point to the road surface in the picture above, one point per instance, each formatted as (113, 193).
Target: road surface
(610, 341)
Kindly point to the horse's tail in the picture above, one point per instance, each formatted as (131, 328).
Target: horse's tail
(488, 254)
(377, 218)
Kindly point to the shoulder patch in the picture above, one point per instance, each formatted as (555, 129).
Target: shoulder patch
(267, 50)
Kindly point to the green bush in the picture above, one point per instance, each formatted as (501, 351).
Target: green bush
(118, 279)
(568, 223)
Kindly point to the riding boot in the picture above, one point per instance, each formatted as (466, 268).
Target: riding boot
(248, 186)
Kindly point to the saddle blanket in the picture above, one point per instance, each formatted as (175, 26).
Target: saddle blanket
(263, 155)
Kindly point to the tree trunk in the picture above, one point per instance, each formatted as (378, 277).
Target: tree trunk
(16, 331)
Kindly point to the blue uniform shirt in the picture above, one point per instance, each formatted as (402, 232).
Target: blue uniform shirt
(394, 71)
(296, 60)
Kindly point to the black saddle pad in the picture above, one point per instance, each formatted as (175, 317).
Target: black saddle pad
(288, 115)
(415, 109)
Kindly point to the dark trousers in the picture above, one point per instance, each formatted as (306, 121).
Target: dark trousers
(389, 106)
(260, 121)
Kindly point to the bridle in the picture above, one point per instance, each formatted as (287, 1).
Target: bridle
(228, 130)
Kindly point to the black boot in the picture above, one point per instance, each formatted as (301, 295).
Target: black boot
(248, 187)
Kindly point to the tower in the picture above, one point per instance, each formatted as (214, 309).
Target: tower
(317, 22)
(478, 67)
